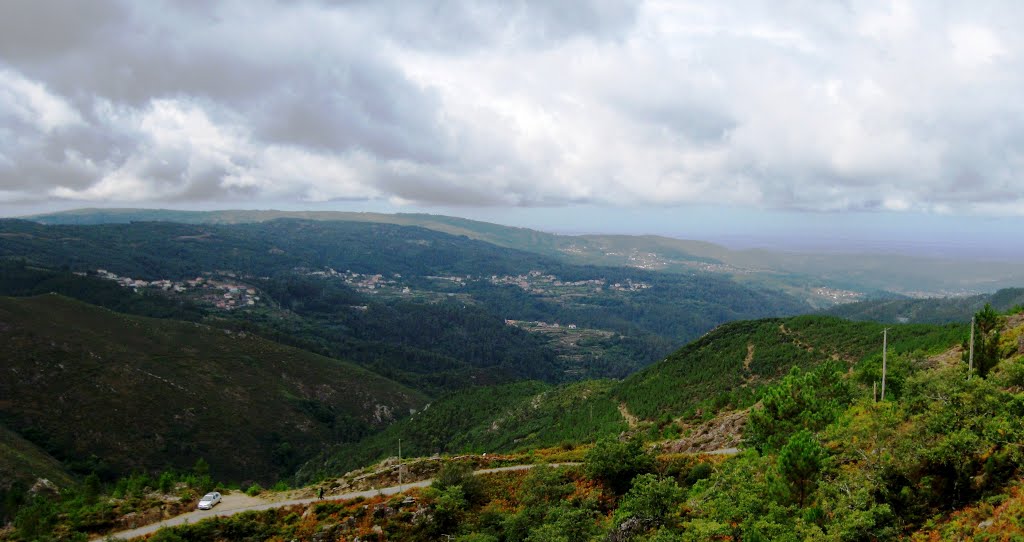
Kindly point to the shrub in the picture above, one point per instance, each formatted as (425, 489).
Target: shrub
(616, 463)
(461, 474)
(802, 400)
(652, 500)
(799, 465)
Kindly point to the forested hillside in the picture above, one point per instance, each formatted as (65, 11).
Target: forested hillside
(512, 417)
(821, 458)
(823, 279)
(724, 371)
(109, 393)
(728, 365)
(422, 307)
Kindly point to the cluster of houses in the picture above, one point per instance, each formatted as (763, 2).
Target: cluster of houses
(222, 294)
(531, 280)
(629, 286)
(135, 284)
(359, 281)
(545, 325)
(837, 296)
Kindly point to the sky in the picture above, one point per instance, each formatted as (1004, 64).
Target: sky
(811, 123)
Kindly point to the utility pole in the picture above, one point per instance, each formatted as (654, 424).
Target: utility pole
(970, 356)
(885, 348)
(874, 391)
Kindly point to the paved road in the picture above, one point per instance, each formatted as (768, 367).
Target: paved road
(226, 509)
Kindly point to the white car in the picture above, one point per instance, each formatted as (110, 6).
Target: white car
(209, 500)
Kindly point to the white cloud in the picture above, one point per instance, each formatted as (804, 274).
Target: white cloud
(974, 45)
(902, 106)
(31, 103)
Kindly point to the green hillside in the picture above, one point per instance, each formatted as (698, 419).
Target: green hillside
(727, 369)
(19, 279)
(938, 459)
(928, 311)
(728, 365)
(109, 392)
(419, 306)
(801, 274)
(22, 463)
(506, 418)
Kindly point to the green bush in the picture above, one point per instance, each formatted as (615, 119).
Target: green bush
(652, 500)
(460, 474)
(799, 464)
(616, 463)
(802, 400)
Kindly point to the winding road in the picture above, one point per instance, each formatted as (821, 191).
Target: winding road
(236, 503)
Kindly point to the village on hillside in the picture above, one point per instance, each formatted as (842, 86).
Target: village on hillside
(221, 290)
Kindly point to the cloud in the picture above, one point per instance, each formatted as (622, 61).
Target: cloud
(900, 106)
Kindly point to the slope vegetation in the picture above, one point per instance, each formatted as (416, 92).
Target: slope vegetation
(22, 463)
(512, 417)
(727, 366)
(417, 305)
(799, 273)
(109, 392)
(725, 370)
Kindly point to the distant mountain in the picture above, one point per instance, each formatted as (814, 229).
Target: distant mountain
(108, 392)
(822, 279)
(419, 306)
(928, 311)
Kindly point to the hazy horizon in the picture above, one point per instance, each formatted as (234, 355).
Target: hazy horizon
(734, 228)
(828, 127)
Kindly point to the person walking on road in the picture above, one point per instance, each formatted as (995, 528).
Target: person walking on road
(321, 493)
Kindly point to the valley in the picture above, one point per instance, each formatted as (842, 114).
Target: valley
(819, 279)
(529, 271)
(146, 363)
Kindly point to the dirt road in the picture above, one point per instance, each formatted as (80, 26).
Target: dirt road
(237, 503)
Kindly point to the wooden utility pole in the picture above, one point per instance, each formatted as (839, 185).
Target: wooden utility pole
(885, 348)
(970, 355)
(874, 391)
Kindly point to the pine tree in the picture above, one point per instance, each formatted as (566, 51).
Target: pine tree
(799, 465)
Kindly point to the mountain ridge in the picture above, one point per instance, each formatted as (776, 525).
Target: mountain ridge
(800, 273)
